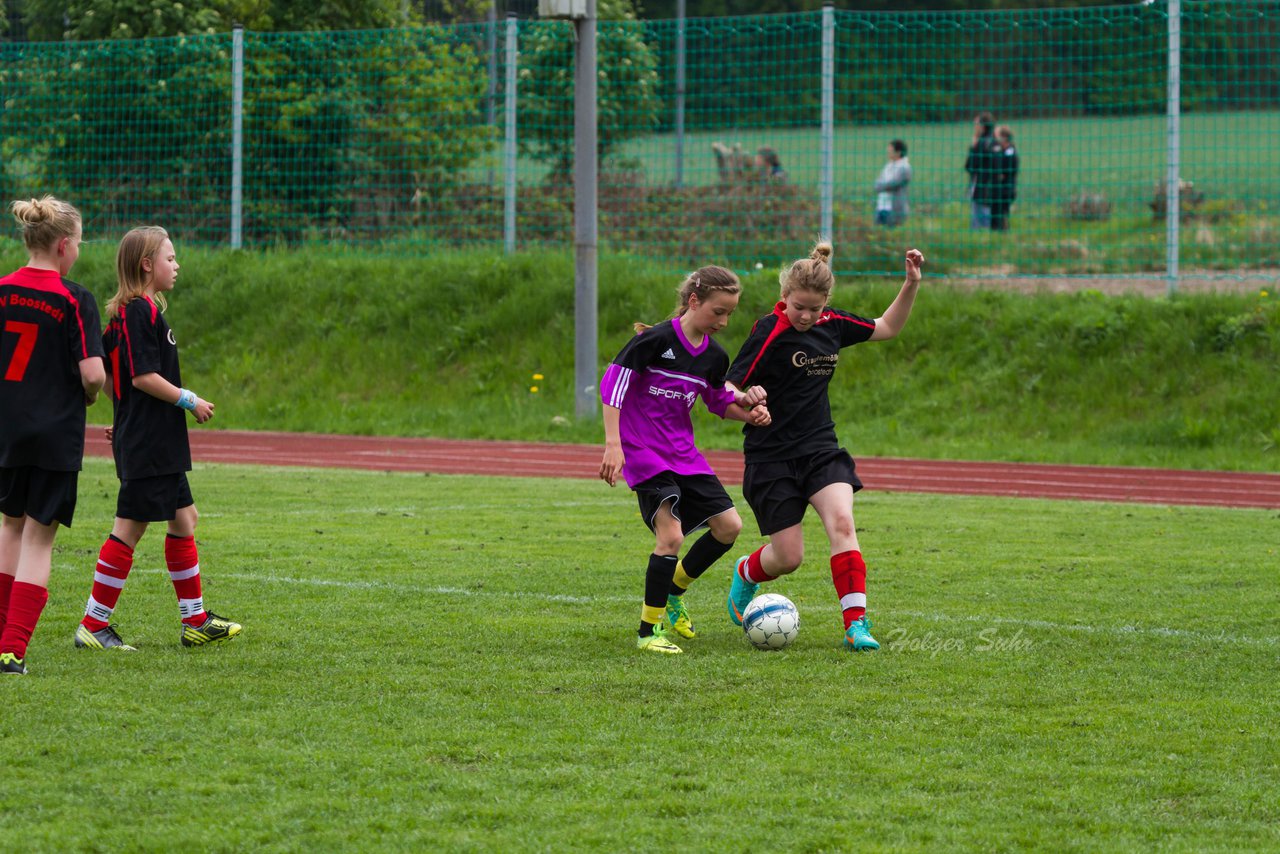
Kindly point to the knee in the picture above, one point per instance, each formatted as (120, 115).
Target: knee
(727, 527)
(669, 544)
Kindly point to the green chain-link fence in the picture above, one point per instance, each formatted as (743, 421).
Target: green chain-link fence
(400, 137)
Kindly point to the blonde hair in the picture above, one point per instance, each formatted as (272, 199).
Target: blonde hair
(139, 243)
(44, 221)
(703, 282)
(811, 274)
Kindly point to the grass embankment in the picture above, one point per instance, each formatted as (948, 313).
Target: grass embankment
(448, 345)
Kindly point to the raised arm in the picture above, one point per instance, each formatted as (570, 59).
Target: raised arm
(889, 324)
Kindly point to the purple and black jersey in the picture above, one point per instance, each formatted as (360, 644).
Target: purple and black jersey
(795, 369)
(150, 435)
(654, 381)
(48, 325)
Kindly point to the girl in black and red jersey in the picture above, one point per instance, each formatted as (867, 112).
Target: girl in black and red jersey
(50, 367)
(149, 440)
(796, 460)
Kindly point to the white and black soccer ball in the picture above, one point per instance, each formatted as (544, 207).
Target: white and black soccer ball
(771, 621)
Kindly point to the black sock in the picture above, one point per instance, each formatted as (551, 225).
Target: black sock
(657, 581)
(702, 554)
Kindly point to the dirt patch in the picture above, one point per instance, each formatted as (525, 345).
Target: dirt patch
(1190, 282)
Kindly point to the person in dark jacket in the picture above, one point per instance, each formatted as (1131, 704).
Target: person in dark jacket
(1006, 173)
(981, 166)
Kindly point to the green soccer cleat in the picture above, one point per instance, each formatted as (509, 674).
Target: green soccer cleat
(11, 664)
(657, 642)
(678, 617)
(212, 630)
(740, 593)
(107, 638)
(858, 637)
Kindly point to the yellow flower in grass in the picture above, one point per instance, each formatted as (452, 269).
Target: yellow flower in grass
(533, 389)
(538, 377)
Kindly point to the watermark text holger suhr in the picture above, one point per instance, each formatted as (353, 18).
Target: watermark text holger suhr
(988, 640)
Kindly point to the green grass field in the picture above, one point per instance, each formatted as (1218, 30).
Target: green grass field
(446, 663)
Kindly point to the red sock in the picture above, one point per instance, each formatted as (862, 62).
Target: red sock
(6, 582)
(114, 562)
(751, 569)
(849, 575)
(184, 571)
(26, 601)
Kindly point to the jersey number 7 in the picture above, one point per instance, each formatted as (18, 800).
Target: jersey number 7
(26, 333)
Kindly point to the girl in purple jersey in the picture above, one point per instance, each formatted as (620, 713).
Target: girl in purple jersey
(648, 393)
(50, 367)
(796, 461)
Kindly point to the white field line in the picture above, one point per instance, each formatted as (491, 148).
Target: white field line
(1044, 625)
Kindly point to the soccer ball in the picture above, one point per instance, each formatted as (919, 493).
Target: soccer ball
(771, 621)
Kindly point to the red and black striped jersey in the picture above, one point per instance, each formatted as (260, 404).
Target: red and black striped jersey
(795, 369)
(150, 435)
(48, 325)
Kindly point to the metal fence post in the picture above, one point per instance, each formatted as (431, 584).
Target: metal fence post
(826, 180)
(509, 150)
(680, 84)
(237, 136)
(1173, 213)
(586, 322)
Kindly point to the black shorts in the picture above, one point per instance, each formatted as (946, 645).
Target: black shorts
(694, 498)
(779, 492)
(153, 499)
(43, 495)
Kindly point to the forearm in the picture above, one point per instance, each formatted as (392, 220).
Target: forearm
(734, 412)
(158, 387)
(896, 315)
(612, 432)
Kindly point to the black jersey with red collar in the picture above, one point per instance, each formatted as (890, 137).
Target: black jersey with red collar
(795, 369)
(150, 435)
(48, 325)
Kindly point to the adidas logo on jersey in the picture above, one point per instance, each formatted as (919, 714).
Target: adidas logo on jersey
(670, 354)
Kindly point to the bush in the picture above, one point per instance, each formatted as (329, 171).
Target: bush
(1087, 206)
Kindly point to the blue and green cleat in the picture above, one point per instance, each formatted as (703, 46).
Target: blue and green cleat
(858, 637)
(678, 617)
(740, 593)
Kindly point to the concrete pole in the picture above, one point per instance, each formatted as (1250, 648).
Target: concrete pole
(827, 180)
(585, 216)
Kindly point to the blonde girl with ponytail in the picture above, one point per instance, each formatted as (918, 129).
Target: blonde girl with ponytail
(796, 461)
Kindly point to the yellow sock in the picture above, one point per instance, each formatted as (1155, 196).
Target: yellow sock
(652, 615)
(681, 578)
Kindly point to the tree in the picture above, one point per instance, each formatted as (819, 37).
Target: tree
(627, 94)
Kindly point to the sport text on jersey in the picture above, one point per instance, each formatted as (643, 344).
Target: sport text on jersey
(19, 301)
(815, 366)
(672, 394)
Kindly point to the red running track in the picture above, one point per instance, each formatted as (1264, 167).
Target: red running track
(882, 474)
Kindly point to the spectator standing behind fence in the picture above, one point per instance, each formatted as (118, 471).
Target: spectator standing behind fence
(891, 186)
(981, 166)
(769, 164)
(1006, 173)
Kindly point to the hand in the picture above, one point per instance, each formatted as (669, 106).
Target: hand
(759, 416)
(611, 465)
(753, 396)
(915, 260)
(203, 411)
(109, 432)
